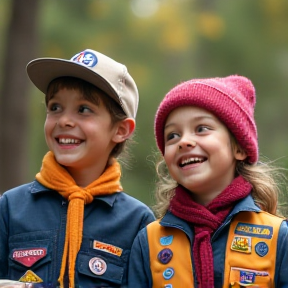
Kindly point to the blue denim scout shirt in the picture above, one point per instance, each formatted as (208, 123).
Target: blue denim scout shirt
(140, 275)
(33, 223)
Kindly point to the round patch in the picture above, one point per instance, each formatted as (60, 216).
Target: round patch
(168, 273)
(86, 58)
(261, 249)
(165, 255)
(97, 266)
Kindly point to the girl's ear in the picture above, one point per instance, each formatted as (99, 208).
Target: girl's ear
(239, 153)
(124, 129)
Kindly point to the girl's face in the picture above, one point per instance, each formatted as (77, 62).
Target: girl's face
(79, 133)
(198, 152)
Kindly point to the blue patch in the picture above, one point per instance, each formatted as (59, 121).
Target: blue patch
(260, 231)
(166, 240)
(247, 277)
(86, 58)
(165, 255)
(261, 249)
(168, 273)
(168, 286)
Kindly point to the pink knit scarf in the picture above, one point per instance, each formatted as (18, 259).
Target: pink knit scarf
(205, 221)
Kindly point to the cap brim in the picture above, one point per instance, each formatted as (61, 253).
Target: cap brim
(42, 71)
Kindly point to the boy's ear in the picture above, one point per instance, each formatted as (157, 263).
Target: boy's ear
(239, 153)
(124, 130)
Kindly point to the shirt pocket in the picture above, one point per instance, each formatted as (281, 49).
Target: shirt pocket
(30, 252)
(101, 268)
(242, 277)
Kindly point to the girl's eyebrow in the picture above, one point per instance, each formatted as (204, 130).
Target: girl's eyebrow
(197, 118)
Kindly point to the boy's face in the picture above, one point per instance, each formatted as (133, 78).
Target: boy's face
(198, 152)
(79, 133)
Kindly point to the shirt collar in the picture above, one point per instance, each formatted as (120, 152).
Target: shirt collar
(36, 188)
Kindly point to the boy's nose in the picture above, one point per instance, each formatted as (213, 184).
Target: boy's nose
(66, 120)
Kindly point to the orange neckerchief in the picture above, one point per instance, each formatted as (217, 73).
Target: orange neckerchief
(54, 176)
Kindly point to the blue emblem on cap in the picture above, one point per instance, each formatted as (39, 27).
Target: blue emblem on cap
(86, 58)
(166, 240)
(168, 273)
(168, 286)
(165, 255)
(261, 249)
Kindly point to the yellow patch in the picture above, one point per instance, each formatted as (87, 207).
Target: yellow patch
(31, 277)
(241, 244)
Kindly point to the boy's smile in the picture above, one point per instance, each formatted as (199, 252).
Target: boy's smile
(198, 152)
(79, 133)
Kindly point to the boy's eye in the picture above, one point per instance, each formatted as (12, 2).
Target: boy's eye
(53, 107)
(83, 109)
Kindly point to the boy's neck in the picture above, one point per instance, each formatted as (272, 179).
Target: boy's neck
(85, 177)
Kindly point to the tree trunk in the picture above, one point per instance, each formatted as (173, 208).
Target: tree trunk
(14, 100)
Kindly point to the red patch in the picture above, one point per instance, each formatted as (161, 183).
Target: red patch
(28, 257)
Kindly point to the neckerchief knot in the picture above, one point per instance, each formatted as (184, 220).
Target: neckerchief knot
(83, 194)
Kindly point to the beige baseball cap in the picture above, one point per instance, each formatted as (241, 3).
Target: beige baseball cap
(96, 68)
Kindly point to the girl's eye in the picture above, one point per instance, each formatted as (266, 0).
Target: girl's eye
(201, 129)
(171, 136)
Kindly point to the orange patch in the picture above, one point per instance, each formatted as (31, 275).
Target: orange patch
(107, 248)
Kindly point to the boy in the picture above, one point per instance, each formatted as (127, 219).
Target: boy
(74, 224)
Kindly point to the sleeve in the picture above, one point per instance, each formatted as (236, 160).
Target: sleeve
(281, 269)
(139, 273)
(147, 218)
(3, 238)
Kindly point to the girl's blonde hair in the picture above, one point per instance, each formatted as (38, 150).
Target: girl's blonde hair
(264, 176)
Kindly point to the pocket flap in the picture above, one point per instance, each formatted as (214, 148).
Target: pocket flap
(100, 267)
(249, 277)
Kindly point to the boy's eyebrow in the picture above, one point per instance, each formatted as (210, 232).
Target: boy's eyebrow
(197, 118)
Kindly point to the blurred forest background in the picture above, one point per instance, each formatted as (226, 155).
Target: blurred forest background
(162, 42)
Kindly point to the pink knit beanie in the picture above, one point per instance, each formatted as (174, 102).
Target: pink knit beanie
(232, 99)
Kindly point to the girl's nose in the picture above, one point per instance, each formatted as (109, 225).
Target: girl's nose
(187, 144)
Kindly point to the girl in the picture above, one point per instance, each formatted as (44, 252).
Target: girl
(216, 227)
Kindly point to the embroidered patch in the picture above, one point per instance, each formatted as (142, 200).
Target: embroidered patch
(30, 277)
(168, 273)
(247, 277)
(241, 244)
(86, 58)
(256, 272)
(165, 255)
(260, 231)
(166, 240)
(28, 257)
(97, 266)
(107, 248)
(261, 249)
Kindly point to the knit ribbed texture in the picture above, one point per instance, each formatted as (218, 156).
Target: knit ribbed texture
(205, 221)
(55, 177)
(231, 99)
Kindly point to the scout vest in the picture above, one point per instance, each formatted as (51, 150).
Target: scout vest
(250, 253)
